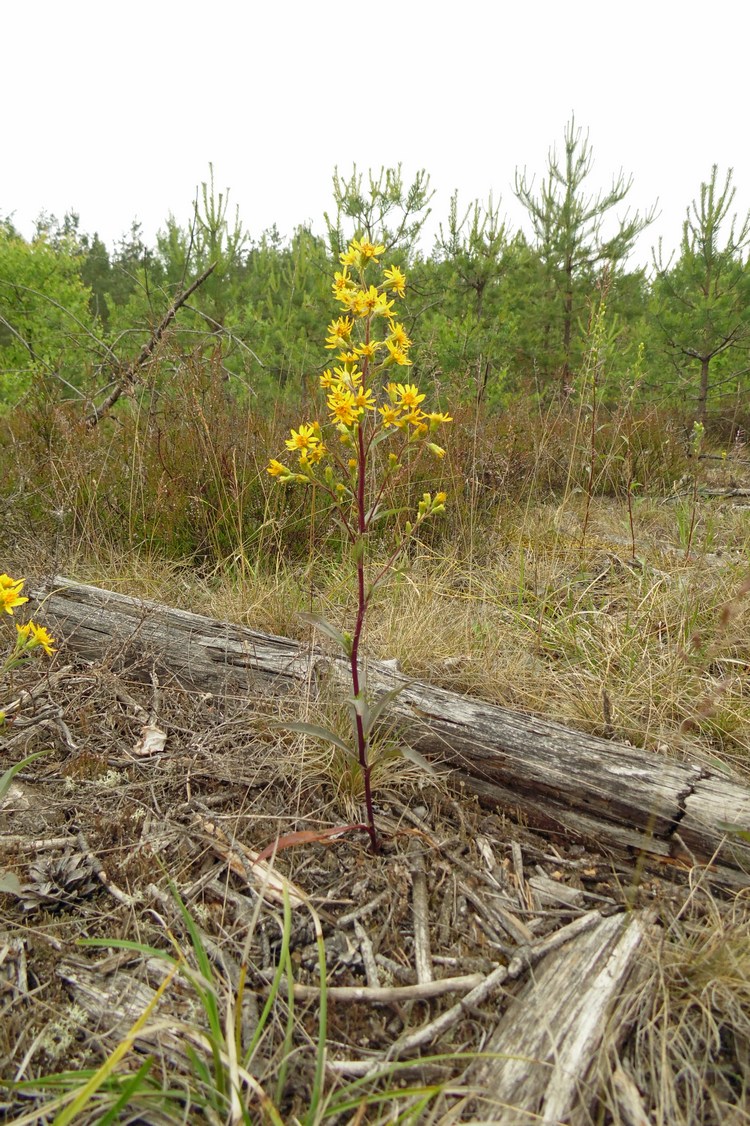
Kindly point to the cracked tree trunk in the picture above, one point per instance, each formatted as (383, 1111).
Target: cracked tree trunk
(564, 782)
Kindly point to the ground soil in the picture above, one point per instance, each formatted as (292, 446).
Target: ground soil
(95, 829)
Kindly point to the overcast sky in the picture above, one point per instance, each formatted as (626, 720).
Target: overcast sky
(116, 109)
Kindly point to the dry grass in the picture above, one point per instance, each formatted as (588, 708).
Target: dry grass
(533, 594)
(651, 650)
(691, 1045)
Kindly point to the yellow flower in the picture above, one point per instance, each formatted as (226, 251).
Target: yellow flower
(383, 307)
(408, 394)
(348, 379)
(397, 355)
(398, 335)
(438, 451)
(10, 593)
(327, 379)
(369, 350)
(390, 416)
(304, 438)
(339, 332)
(31, 635)
(360, 253)
(343, 408)
(348, 357)
(276, 469)
(436, 418)
(415, 417)
(342, 287)
(396, 280)
(364, 399)
(315, 455)
(369, 302)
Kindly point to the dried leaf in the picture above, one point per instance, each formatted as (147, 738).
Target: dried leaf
(151, 742)
(309, 836)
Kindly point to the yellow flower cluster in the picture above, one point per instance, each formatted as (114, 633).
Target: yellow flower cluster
(10, 593)
(29, 636)
(362, 354)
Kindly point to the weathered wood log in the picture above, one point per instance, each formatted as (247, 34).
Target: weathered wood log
(563, 781)
(540, 1063)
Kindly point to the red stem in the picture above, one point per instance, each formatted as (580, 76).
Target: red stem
(362, 601)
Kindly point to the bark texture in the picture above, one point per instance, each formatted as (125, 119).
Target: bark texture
(622, 798)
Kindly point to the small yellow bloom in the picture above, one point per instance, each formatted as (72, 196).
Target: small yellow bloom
(370, 303)
(369, 350)
(415, 418)
(364, 399)
(348, 358)
(350, 378)
(31, 635)
(304, 438)
(390, 415)
(396, 280)
(435, 418)
(339, 332)
(314, 455)
(327, 379)
(398, 335)
(360, 253)
(343, 408)
(438, 451)
(343, 287)
(397, 354)
(409, 395)
(276, 469)
(10, 593)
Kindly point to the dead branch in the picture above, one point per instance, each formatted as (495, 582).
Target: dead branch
(129, 377)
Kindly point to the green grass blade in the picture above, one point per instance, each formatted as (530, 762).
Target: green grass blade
(89, 1089)
(12, 771)
(320, 1061)
(275, 984)
(129, 1088)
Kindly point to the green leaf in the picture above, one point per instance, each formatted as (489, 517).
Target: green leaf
(12, 771)
(380, 513)
(317, 733)
(417, 759)
(381, 436)
(382, 702)
(359, 703)
(129, 1088)
(735, 830)
(321, 623)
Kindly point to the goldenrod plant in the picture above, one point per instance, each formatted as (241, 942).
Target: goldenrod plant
(366, 407)
(29, 636)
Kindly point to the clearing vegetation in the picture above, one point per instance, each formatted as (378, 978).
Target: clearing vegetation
(316, 809)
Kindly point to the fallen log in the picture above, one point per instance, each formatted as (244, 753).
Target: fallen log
(540, 1064)
(560, 780)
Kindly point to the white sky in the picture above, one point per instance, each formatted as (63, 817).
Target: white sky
(115, 109)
